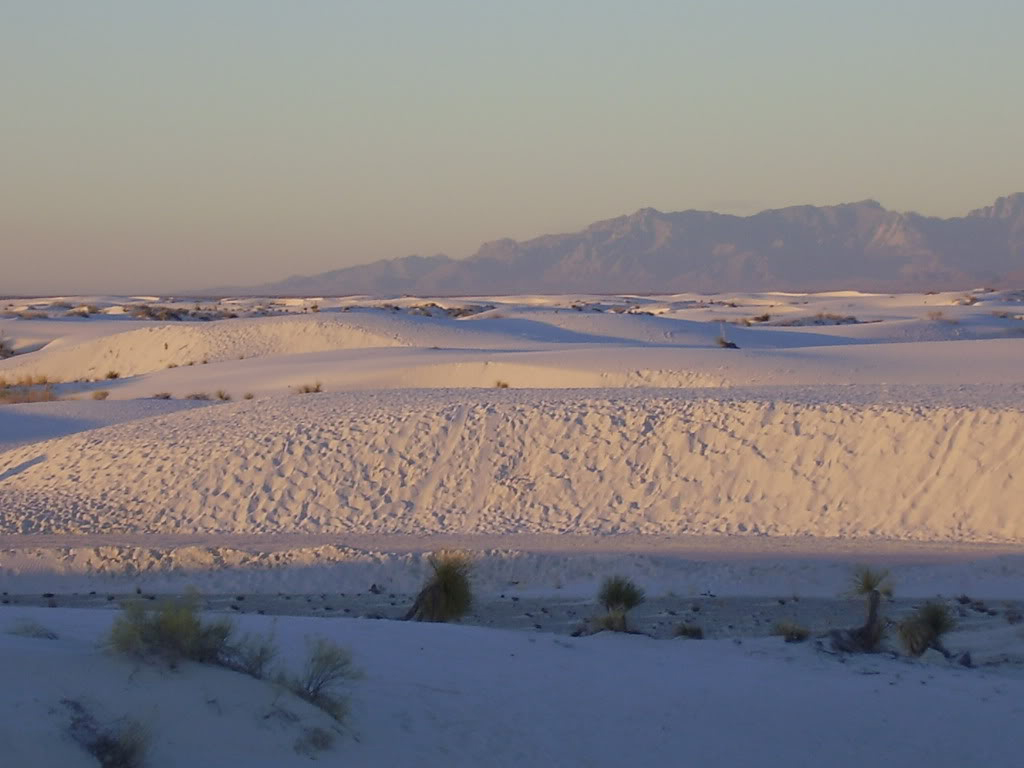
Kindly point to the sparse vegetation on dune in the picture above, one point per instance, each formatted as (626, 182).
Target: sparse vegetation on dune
(447, 594)
(101, 394)
(307, 389)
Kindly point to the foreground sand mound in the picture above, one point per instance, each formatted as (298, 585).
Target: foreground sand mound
(531, 461)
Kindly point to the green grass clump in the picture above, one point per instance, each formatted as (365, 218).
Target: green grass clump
(447, 594)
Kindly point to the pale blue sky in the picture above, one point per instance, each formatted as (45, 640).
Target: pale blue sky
(157, 146)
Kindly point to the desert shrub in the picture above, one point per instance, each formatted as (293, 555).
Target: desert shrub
(499, 384)
(761, 318)
(162, 396)
(307, 389)
(197, 396)
(171, 630)
(925, 628)
(6, 347)
(689, 631)
(101, 394)
(327, 668)
(791, 632)
(247, 396)
(724, 343)
(113, 375)
(121, 746)
(447, 594)
(222, 395)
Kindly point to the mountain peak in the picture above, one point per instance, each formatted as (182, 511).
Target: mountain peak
(852, 246)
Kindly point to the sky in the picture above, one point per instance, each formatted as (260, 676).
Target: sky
(160, 146)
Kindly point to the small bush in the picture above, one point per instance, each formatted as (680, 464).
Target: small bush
(113, 375)
(307, 389)
(162, 396)
(791, 632)
(222, 395)
(501, 384)
(101, 394)
(447, 594)
(761, 318)
(197, 396)
(6, 347)
(724, 343)
(171, 630)
(689, 631)
(327, 667)
(247, 396)
(925, 628)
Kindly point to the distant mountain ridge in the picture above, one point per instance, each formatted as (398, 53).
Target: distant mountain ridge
(856, 246)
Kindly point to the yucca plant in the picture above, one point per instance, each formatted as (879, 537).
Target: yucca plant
(925, 628)
(873, 585)
(447, 594)
(618, 596)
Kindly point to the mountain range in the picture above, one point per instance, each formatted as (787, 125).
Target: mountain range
(854, 246)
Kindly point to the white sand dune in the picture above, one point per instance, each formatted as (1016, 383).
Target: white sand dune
(469, 696)
(501, 462)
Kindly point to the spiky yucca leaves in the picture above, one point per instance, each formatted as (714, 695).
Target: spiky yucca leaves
(620, 594)
(925, 629)
(867, 580)
(447, 595)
